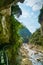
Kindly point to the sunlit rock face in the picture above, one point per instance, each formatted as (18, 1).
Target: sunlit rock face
(5, 25)
(6, 12)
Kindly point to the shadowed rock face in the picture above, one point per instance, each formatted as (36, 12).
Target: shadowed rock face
(6, 3)
(41, 19)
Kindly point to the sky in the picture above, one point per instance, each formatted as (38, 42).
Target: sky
(30, 12)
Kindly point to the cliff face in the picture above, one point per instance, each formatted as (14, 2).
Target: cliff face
(6, 28)
(6, 3)
(5, 25)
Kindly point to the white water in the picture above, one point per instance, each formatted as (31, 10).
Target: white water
(33, 57)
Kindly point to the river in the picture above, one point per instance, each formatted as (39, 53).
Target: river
(34, 56)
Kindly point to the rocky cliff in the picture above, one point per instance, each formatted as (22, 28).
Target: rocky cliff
(5, 22)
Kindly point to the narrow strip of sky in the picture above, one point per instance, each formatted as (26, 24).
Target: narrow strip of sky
(30, 12)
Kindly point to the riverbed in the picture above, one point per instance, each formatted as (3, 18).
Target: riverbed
(33, 56)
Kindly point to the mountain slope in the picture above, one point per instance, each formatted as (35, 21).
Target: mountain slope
(25, 34)
(36, 38)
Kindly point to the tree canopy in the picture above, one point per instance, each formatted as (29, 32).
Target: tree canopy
(15, 10)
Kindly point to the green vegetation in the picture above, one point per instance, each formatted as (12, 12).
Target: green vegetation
(36, 38)
(25, 34)
(15, 40)
(10, 40)
(16, 10)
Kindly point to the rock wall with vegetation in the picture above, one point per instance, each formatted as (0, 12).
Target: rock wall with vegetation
(10, 40)
(37, 38)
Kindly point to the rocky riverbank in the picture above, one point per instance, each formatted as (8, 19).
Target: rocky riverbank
(30, 55)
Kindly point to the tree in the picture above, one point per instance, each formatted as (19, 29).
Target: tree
(15, 10)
